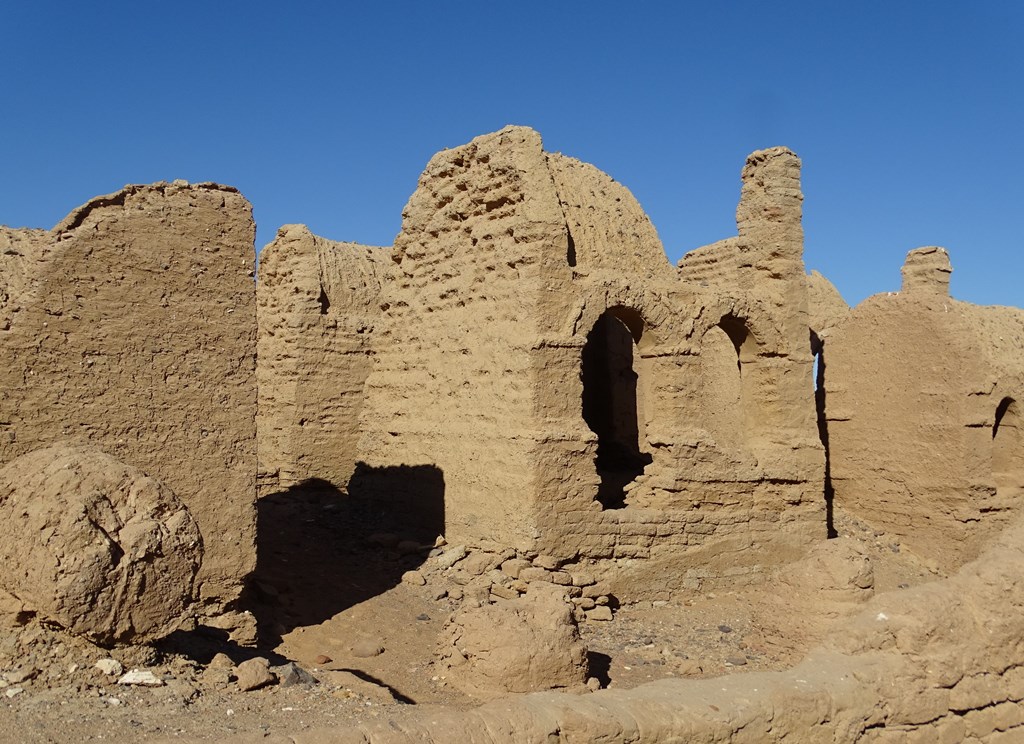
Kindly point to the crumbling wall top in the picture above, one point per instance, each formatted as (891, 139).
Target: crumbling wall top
(927, 270)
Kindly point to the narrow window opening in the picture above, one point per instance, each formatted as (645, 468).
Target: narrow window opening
(570, 253)
(1008, 450)
(818, 350)
(325, 303)
(610, 405)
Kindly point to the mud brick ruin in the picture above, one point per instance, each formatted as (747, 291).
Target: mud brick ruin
(525, 374)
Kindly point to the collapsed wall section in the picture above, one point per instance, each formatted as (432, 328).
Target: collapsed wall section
(134, 333)
(941, 662)
(317, 304)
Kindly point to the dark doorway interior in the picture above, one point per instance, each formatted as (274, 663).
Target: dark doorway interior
(610, 402)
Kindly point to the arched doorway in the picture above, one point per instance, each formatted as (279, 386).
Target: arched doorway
(1008, 449)
(612, 407)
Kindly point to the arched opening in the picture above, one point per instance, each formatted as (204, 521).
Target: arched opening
(611, 404)
(1008, 449)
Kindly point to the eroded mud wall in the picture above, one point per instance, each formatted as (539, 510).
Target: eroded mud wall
(133, 331)
(451, 388)
(317, 305)
(914, 384)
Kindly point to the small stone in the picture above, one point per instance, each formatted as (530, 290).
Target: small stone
(503, 592)
(216, 677)
(689, 667)
(114, 702)
(513, 566)
(594, 684)
(601, 613)
(254, 674)
(20, 675)
(585, 603)
(582, 579)
(141, 678)
(455, 594)
(292, 674)
(13, 691)
(221, 661)
(322, 659)
(440, 594)
(736, 661)
(110, 667)
(451, 556)
(477, 564)
(413, 578)
(548, 562)
(367, 648)
(602, 600)
(423, 616)
(725, 628)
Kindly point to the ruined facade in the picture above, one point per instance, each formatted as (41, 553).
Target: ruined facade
(130, 328)
(527, 370)
(543, 378)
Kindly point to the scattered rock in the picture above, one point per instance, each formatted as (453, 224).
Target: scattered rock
(600, 613)
(503, 591)
(292, 674)
(736, 661)
(322, 659)
(725, 628)
(366, 648)
(141, 678)
(254, 674)
(413, 578)
(689, 668)
(477, 564)
(110, 667)
(221, 661)
(594, 684)
(451, 556)
(423, 617)
(96, 545)
(13, 691)
(521, 645)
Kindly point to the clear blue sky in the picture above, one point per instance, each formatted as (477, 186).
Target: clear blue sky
(907, 115)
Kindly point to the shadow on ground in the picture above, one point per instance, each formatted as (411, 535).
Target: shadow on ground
(321, 550)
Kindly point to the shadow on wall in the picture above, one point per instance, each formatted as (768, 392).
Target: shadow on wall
(321, 550)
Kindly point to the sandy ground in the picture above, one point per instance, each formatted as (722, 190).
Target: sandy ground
(334, 603)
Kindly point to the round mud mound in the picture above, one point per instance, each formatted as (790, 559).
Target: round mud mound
(96, 545)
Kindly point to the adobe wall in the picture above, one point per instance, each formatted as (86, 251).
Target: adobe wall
(509, 258)
(449, 424)
(317, 306)
(133, 330)
(940, 662)
(914, 382)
